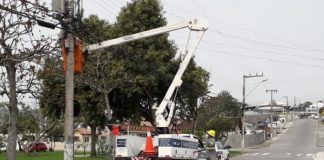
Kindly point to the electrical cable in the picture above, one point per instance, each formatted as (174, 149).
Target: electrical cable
(263, 58)
(261, 34)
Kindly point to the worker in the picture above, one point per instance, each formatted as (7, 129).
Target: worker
(210, 144)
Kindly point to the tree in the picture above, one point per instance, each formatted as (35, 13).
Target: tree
(31, 126)
(19, 47)
(305, 105)
(150, 64)
(93, 111)
(220, 123)
(195, 85)
(221, 112)
(28, 125)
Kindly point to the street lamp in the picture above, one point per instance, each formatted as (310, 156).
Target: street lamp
(256, 87)
(243, 106)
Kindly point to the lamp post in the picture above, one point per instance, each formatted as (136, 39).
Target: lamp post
(255, 87)
(271, 104)
(243, 106)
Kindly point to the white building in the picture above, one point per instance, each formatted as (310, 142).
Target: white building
(314, 108)
(277, 107)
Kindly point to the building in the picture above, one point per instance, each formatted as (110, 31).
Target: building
(277, 107)
(314, 108)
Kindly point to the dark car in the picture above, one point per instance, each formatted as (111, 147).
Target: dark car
(38, 147)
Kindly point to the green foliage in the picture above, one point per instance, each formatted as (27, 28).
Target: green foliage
(28, 121)
(220, 124)
(195, 85)
(52, 96)
(49, 156)
(92, 107)
(150, 65)
(134, 76)
(220, 113)
(57, 131)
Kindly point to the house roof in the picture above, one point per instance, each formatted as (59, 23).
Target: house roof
(84, 131)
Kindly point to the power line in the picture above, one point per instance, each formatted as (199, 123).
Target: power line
(257, 41)
(262, 58)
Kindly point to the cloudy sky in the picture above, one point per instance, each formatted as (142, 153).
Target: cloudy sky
(281, 38)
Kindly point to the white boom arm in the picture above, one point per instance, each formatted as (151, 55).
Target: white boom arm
(195, 25)
(165, 110)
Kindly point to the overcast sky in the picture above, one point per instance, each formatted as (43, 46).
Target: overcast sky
(281, 38)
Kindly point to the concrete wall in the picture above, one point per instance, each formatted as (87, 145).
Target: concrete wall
(234, 140)
(253, 119)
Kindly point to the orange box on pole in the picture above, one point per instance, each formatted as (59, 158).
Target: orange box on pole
(78, 55)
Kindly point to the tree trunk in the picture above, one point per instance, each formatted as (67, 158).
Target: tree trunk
(19, 146)
(108, 106)
(93, 141)
(13, 113)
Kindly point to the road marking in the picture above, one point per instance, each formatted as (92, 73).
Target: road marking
(298, 154)
(288, 154)
(245, 154)
(264, 154)
(255, 154)
(308, 155)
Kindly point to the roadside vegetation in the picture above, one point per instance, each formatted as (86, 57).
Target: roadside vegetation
(48, 156)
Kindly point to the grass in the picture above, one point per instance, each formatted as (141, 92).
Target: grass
(59, 156)
(47, 156)
(235, 153)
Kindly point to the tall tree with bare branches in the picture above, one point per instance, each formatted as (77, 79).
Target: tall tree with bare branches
(21, 49)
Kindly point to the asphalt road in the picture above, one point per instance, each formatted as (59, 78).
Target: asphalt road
(298, 143)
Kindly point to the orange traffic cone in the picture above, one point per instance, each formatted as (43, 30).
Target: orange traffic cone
(149, 150)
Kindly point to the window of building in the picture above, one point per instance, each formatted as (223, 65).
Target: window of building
(86, 139)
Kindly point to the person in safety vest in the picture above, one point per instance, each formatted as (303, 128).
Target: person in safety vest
(210, 144)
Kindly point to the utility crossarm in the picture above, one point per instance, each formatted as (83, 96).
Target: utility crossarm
(165, 110)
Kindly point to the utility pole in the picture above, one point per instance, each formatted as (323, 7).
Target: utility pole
(294, 103)
(286, 103)
(68, 12)
(243, 107)
(271, 104)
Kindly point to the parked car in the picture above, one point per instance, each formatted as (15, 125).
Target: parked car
(221, 151)
(37, 147)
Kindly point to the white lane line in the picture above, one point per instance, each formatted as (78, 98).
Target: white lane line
(245, 154)
(264, 154)
(298, 154)
(255, 154)
(308, 155)
(288, 154)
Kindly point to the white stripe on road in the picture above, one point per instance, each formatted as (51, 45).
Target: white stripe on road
(255, 154)
(308, 155)
(288, 154)
(264, 154)
(245, 154)
(298, 154)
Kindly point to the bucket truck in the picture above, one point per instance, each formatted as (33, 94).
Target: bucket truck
(171, 146)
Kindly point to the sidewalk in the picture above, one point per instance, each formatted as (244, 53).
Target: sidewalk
(320, 134)
(318, 156)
